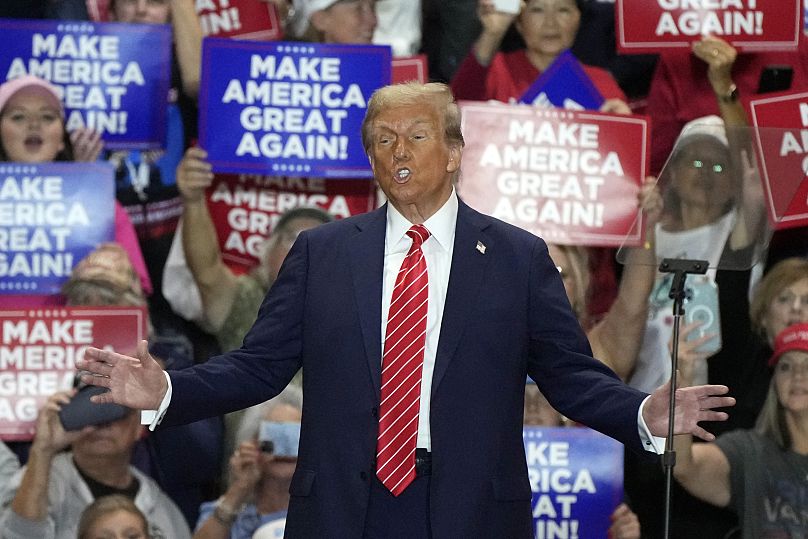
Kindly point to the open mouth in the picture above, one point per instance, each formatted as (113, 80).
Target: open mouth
(33, 143)
(402, 175)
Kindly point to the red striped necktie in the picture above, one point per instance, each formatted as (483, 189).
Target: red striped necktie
(402, 362)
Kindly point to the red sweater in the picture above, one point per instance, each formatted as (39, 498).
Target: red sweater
(510, 74)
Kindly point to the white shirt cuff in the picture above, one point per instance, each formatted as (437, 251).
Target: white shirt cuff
(152, 418)
(654, 444)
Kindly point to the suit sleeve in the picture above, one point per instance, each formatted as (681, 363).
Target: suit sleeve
(561, 362)
(267, 360)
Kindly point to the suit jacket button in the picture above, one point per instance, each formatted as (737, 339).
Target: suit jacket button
(363, 476)
(375, 412)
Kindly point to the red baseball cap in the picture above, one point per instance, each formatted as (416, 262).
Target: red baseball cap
(794, 337)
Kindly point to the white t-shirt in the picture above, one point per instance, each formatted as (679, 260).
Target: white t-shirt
(653, 366)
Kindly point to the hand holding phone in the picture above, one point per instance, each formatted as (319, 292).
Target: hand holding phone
(279, 438)
(702, 306)
(508, 6)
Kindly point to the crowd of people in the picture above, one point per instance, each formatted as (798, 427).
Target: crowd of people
(230, 475)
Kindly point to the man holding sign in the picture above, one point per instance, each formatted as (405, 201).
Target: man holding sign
(412, 425)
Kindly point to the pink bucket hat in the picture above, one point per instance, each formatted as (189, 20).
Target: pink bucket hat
(11, 87)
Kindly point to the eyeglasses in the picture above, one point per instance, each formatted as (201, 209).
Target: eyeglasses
(718, 168)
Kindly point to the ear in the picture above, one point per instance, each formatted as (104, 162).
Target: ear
(455, 156)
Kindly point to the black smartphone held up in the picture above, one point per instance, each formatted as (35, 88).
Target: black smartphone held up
(775, 78)
(80, 412)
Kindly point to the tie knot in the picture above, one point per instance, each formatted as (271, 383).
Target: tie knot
(419, 234)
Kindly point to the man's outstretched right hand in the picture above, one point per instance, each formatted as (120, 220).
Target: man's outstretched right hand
(138, 383)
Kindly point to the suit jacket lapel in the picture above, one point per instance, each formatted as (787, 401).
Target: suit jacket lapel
(367, 266)
(465, 279)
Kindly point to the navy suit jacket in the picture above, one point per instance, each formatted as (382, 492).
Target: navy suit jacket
(506, 316)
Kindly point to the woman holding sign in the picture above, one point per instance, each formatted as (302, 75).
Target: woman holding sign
(32, 130)
(548, 28)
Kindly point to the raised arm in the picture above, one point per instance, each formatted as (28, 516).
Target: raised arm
(188, 44)
(701, 468)
(495, 25)
(31, 499)
(616, 339)
(216, 283)
(720, 57)
(245, 474)
(469, 81)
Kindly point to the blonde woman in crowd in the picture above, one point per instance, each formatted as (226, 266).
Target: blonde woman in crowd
(114, 517)
(760, 473)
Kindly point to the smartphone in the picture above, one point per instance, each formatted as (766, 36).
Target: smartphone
(280, 439)
(508, 6)
(775, 78)
(80, 412)
(701, 305)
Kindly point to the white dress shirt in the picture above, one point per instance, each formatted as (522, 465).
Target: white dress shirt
(437, 251)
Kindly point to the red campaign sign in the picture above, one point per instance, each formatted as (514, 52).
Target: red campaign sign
(39, 349)
(570, 177)
(410, 68)
(240, 19)
(781, 143)
(748, 25)
(246, 207)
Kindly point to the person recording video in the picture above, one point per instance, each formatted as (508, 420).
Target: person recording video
(67, 470)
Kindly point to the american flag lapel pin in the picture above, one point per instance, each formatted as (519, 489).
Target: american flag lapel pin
(481, 247)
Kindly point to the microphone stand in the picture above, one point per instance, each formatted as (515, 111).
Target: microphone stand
(680, 269)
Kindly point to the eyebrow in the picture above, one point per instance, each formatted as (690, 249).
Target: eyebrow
(418, 122)
(43, 107)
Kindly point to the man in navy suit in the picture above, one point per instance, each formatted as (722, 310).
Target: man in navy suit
(497, 312)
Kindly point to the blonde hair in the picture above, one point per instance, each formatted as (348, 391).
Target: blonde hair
(782, 275)
(579, 271)
(105, 505)
(771, 422)
(432, 94)
(106, 276)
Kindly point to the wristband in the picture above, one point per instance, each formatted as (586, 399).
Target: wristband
(731, 96)
(224, 515)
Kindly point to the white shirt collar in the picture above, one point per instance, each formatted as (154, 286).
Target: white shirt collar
(441, 225)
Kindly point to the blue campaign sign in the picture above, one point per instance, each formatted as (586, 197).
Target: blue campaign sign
(576, 475)
(51, 216)
(113, 77)
(291, 109)
(564, 84)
